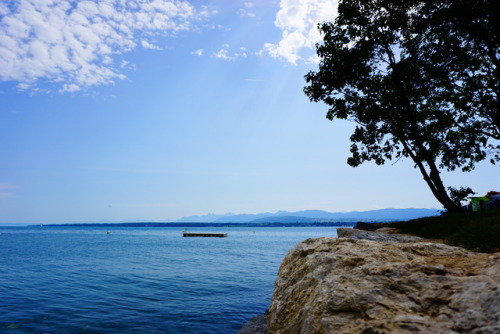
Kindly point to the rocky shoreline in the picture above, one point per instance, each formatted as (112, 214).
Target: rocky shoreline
(382, 282)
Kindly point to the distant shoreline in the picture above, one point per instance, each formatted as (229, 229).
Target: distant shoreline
(195, 224)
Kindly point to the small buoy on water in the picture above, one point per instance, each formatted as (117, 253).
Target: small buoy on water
(107, 232)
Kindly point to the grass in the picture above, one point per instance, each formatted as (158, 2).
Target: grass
(477, 231)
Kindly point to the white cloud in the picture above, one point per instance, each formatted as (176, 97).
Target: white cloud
(70, 88)
(298, 20)
(74, 43)
(124, 64)
(145, 44)
(198, 52)
(245, 12)
(224, 53)
(23, 86)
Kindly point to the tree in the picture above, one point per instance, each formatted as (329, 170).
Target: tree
(463, 41)
(404, 72)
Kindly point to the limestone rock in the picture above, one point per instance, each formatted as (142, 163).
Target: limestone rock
(256, 325)
(330, 285)
(370, 226)
(388, 230)
(375, 236)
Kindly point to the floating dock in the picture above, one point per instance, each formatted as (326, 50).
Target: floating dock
(216, 235)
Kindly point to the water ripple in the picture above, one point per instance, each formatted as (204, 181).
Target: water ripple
(138, 280)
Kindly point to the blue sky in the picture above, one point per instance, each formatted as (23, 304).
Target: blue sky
(154, 110)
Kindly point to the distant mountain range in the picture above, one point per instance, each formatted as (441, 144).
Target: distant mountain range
(308, 216)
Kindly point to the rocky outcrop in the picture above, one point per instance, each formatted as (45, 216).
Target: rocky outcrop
(379, 235)
(330, 285)
(256, 325)
(370, 226)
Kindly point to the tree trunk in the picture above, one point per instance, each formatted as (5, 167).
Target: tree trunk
(433, 180)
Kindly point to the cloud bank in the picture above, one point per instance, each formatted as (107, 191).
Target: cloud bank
(75, 44)
(298, 20)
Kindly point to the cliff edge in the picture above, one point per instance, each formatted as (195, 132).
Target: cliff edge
(350, 285)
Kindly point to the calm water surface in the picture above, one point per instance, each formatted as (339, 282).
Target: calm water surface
(139, 279)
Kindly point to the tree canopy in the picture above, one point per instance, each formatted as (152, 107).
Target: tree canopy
(421, 80)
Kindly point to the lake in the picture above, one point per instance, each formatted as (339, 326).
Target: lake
(139, 279)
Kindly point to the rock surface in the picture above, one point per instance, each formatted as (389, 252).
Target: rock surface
(370, 226)
(375, 236)
(256, 325)
(330, 285)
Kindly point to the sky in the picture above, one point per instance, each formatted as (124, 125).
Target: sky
(126, 110)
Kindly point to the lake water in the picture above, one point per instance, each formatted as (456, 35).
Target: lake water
(139, 279)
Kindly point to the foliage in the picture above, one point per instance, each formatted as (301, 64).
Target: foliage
(478, 231)
(402, 70)
(463, 44)
(460, 195)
